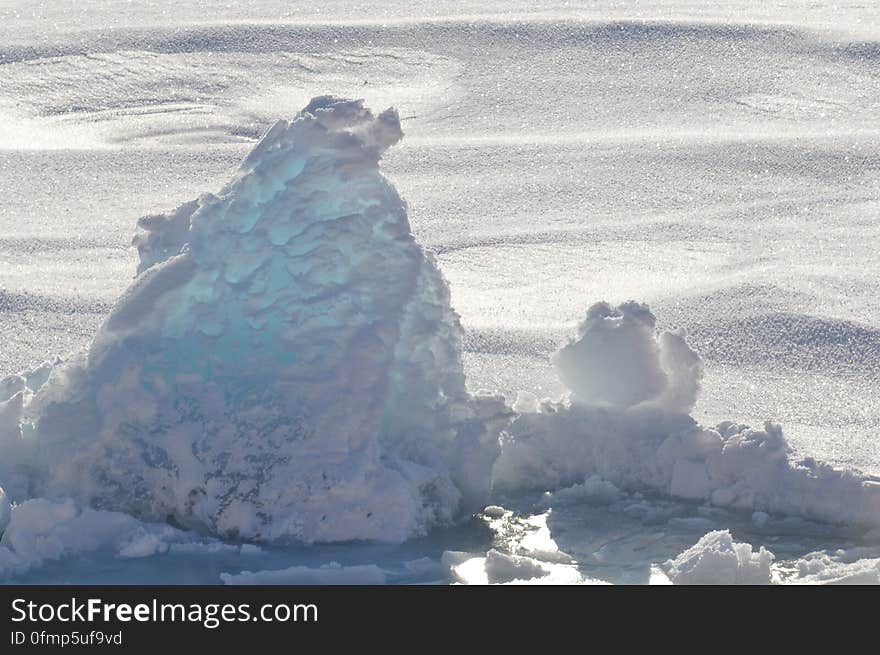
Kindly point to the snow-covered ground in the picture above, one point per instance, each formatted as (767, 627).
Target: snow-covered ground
(718, 161)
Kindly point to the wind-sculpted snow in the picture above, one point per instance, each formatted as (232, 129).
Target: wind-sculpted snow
(626, 420)
(285, 365)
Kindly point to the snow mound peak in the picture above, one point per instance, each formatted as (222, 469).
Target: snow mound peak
(285, 365)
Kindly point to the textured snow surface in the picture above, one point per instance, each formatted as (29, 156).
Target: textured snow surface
(286, 364)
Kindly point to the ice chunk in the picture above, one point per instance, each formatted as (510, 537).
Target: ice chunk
(614, 361)
(42, 530)
(842, 567)
(328, 574)
(285, 365)
(617, 361)
(502, 567)
(626, 421)
(717, 559)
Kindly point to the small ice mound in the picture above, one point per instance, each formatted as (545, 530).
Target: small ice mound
(14, 449)
(494, 511)
(844, 567)
(464, 567)
(496, 567)
(644, 439)
(41, 530)
(760, 519)
(717, 559)
(617, 361)
(593, 490)
(285, 365)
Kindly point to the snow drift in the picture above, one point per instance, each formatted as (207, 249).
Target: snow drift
(626, 420)
(286, 364)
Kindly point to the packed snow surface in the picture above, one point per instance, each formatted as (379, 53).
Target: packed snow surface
(716, 162)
